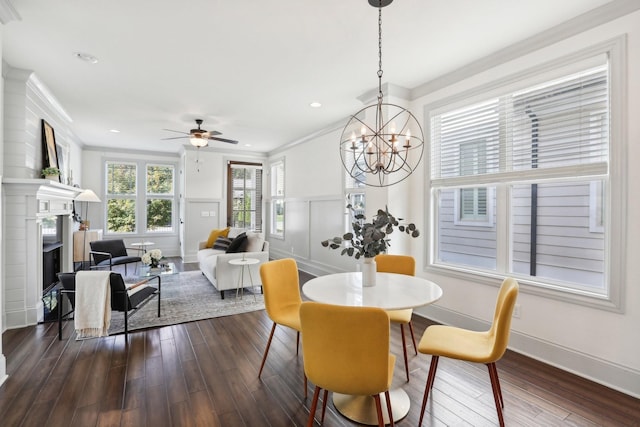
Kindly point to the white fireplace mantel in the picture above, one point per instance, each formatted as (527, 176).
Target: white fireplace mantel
(25, 203)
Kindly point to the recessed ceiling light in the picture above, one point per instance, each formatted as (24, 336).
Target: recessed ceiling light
(114, 130)
(86, 57)
(315, 104)
(247, 145)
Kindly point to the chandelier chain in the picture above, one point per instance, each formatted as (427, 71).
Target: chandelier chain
(380, 72)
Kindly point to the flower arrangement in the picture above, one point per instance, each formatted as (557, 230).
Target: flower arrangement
(152, 258)
(369, 239)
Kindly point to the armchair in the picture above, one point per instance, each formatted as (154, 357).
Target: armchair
(122, 297)
(107, 253)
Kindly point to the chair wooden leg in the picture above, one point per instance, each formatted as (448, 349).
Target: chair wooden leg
(492, 366)
(497, 393)
(376, 397)
(266, 350)
(314, 404)
(324, 404)
(387, 397)
(413, 338)
(404, 351)
(305, 386)
(297, 342)
(430, 378)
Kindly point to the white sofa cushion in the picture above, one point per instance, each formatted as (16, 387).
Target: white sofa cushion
(255, 241)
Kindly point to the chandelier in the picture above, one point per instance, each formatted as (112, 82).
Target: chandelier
(377, 140)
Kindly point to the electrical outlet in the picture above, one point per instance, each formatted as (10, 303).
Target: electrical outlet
(517, 311)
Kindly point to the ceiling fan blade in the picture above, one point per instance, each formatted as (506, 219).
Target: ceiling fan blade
(229, 141)
(214, 132)
(175, 137)
(178, 131)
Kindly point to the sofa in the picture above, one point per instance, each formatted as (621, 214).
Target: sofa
(214, 263)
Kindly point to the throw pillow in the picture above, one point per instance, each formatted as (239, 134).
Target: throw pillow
(255, 241)
(238, 244)
(222, 243)
(223, 232)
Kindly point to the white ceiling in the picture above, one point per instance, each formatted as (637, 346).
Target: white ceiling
(250, 68)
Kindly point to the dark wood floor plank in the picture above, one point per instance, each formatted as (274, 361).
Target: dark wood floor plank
(157, 406)
(203, 410)
(172, 372)
(205, 374)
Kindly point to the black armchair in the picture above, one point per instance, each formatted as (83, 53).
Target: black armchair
(107, 253)
(122, 299)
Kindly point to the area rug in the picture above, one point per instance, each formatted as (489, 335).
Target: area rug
(187, 297)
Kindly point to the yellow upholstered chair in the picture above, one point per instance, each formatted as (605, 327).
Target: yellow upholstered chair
(481, 347)
(346, 350)
(401, 264)
(282, 299)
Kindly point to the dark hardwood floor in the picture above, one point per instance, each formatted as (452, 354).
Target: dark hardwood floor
(205, 373)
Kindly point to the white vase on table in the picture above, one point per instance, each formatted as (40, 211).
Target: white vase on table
(369, 272)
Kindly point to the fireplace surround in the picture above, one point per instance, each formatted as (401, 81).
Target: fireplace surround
(26, 204)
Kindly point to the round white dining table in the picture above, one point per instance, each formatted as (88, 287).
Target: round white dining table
(391, 292)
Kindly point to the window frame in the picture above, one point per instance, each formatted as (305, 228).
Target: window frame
(140, 198)
(259, 189)
(615, 189)
(276, 199)
(160, 196)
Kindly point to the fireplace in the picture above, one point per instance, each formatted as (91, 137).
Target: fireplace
(38, 242)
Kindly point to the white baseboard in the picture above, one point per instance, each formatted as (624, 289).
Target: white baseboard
(615, 376)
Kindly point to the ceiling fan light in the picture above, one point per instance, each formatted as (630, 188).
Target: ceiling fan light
(198, 141)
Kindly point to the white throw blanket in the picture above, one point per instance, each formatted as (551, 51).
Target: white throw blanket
(93, 304)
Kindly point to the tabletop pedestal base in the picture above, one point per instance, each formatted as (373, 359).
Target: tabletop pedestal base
(362, 409)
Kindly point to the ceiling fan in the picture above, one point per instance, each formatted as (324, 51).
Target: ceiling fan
(200, 137)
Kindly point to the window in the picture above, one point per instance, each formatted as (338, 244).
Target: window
(277, 198)
(132, 211)
(539, 155)
(160, 195)
(121, 197)
(355, 195)
(244, 196)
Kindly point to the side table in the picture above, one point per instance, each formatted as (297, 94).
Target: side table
(244, 264)
(142, 246)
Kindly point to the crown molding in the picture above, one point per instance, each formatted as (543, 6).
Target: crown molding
(8, 13)
(581, 23)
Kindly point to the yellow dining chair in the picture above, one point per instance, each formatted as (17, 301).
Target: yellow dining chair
(282, 299)
(401, 264)
(346, 350)
(481, 347)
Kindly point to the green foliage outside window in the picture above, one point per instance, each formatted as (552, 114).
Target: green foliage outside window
(159, 214)
(121, 178)
(159, 179)
(121, 215)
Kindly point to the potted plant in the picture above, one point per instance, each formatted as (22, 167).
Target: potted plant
(369, 239)
(51, 173)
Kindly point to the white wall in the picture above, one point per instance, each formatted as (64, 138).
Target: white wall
(591, 342)
(595, 343)
(3, 361)
(93, 177)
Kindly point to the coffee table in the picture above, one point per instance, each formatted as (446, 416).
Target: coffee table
(168, 270)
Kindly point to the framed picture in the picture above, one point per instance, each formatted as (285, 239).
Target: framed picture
(62, 161)
(49, 152)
